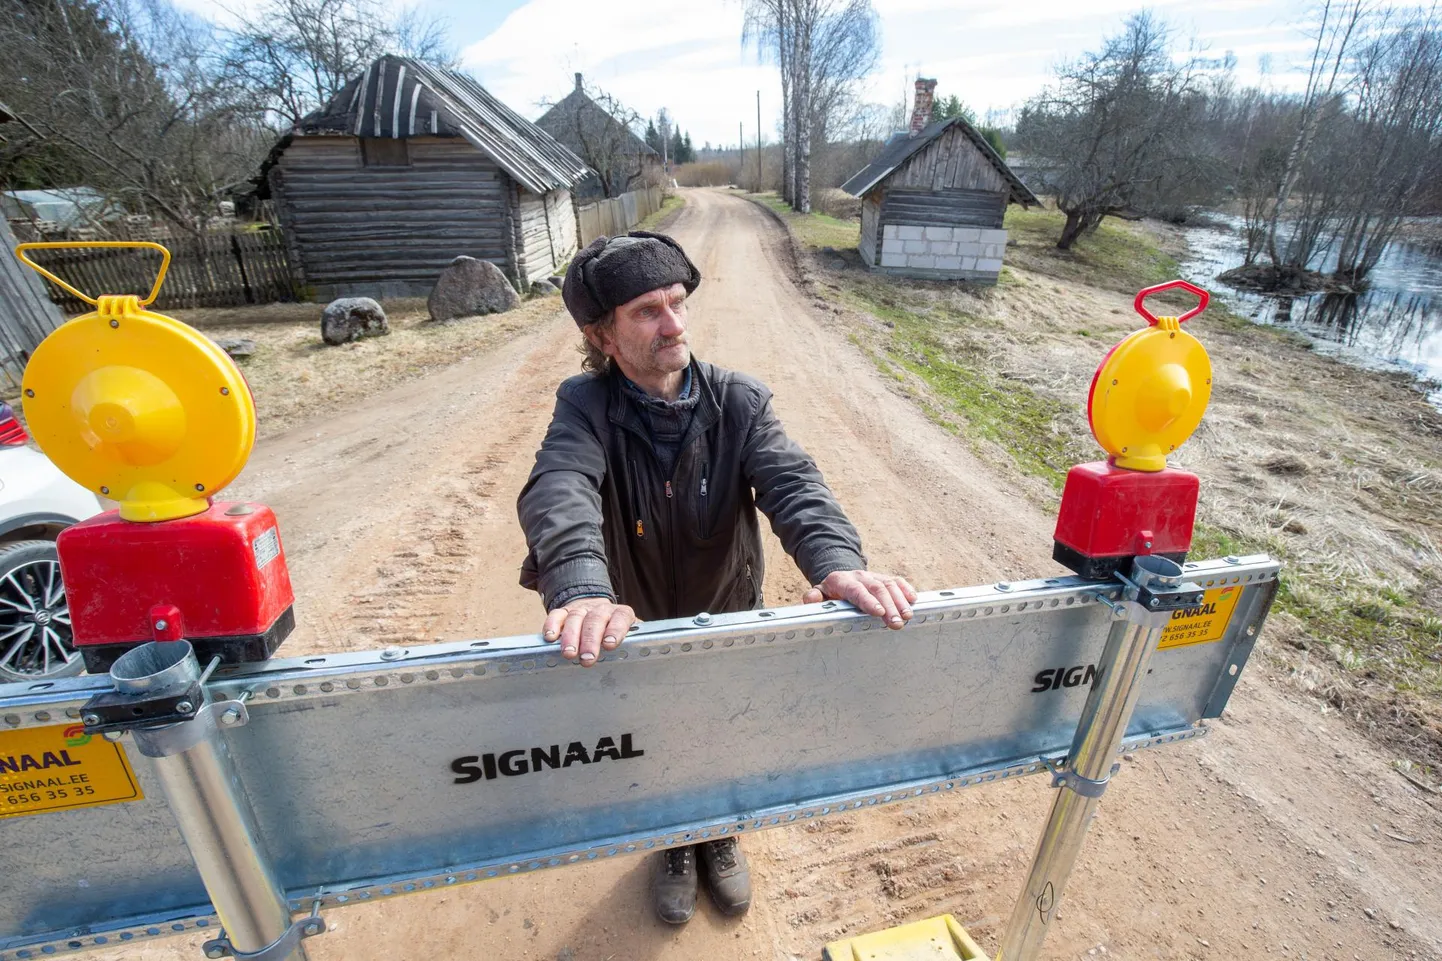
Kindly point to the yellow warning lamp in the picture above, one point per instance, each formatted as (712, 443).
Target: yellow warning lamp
(135, 405)
(1149, 393)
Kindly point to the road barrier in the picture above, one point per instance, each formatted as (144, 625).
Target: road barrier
(230, 791)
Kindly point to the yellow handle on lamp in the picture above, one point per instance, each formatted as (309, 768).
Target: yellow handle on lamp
(21, 249)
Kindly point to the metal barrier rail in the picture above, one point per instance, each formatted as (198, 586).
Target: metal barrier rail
(380, 773)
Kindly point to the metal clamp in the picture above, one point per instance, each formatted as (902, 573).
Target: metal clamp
(1158, 597)
(112, 713)
(279, 949)
(1085, 786)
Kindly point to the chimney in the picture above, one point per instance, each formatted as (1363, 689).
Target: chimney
(921, 110)
(578, 86)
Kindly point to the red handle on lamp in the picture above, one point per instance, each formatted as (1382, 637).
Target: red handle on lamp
(1203, 297)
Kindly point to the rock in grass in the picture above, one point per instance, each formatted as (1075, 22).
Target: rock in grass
(351, 318)
(544, 288)
(235, 346)
(470, 287)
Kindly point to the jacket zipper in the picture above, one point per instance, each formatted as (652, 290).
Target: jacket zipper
(636, 503)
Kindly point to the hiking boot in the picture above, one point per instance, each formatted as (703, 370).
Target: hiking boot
(727, 875)
(673, 884)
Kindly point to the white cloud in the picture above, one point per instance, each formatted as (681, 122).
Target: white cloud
(687, 59)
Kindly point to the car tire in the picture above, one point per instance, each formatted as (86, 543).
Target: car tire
(35, 637)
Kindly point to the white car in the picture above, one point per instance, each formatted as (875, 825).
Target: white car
(37, 502)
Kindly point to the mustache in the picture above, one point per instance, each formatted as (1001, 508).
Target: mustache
(661, 343)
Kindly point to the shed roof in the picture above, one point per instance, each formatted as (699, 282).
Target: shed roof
(902, 147)
(577, 109)
(400, 97)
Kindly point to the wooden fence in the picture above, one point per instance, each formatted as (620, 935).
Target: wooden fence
(223, 268)
(607, 218)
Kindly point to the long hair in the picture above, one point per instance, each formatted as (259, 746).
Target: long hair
(593, 360)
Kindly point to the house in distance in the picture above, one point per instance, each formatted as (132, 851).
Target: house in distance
(621, 160)
(410, 166)
(933, 200)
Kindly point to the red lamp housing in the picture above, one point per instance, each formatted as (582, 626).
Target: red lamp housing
(1109, 515)
(217, 579)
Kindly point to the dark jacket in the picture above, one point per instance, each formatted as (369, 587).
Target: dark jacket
(600, 515)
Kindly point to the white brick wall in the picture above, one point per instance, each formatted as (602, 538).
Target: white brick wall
(942, 248)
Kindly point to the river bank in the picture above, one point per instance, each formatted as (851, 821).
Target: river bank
(1394, 324)
(1334, 469)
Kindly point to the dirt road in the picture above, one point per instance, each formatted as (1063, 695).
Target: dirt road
(1281, 835)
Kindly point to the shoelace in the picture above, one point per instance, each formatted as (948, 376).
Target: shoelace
(724, 852)
(678, 861)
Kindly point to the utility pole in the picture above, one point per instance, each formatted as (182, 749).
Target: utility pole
(741, 141)
(758, 141)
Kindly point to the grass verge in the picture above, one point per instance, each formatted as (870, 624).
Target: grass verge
(670, 205)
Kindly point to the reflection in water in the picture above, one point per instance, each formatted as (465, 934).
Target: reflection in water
(1395, 323)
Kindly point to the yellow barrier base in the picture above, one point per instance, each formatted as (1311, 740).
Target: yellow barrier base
(935, 939)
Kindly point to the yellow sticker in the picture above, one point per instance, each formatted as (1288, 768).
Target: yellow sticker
(54, 768)
(1201, 625)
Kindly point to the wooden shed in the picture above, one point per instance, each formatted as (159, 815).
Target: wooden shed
(932, 202)
(409, 167)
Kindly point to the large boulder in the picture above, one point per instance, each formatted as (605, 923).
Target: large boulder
(352, 318)
(469, 287)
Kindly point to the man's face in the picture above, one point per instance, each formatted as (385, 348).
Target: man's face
(648, 336)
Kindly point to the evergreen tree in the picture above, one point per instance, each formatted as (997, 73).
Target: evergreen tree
(653, 136)
(688, 152)
(677, 145)
(944, 108)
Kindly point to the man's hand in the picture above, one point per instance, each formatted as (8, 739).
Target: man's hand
(879, 595)
(586, 626)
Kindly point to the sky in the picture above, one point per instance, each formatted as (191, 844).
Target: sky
(688, 57)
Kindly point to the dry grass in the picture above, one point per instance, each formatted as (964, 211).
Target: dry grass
(712, 173)
(295, 376)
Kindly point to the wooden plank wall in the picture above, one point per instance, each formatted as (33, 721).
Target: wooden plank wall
(26, 314)
(351, 224)
(951, 161)
(941, 208)
(548, 233)
(870, 228)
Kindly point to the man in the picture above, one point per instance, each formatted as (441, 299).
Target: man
(644, 495)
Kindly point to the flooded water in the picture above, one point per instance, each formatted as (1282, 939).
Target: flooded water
(1395, 325)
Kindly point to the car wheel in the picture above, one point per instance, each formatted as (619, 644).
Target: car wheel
(35, 635)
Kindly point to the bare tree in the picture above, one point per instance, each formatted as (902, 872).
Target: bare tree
(822, 47)
(601, 130)
(124, 97)
(295, 55)
(1117, 132)
(1334, 33)
(1396, 125)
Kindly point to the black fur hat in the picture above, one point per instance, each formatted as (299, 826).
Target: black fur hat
(614, 270)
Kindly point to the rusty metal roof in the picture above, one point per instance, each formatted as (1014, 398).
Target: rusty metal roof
(400, 97)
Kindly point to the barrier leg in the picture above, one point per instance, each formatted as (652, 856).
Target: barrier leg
(1143, 613)
(214, 817)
